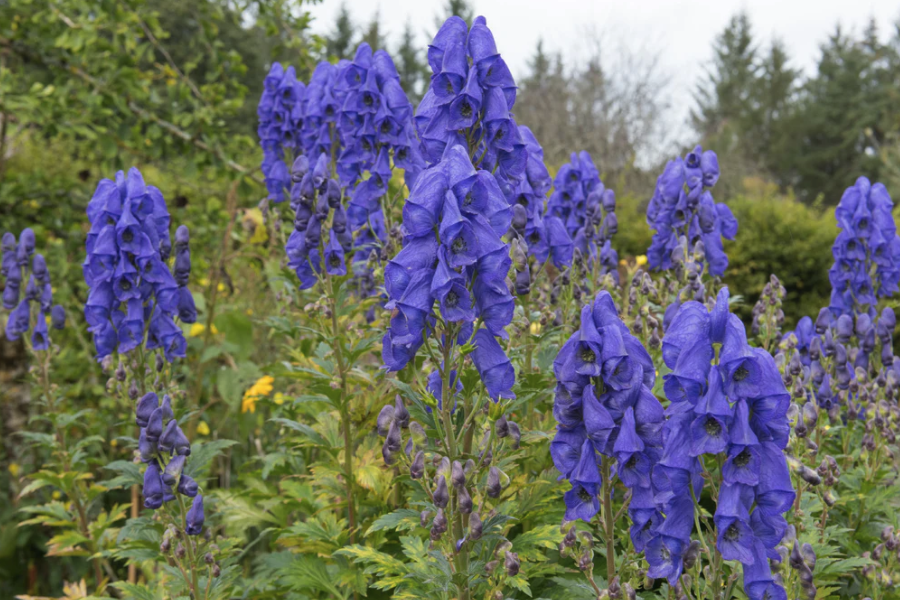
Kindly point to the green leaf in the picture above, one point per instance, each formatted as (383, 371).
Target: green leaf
(139, 592)
(202, 454)
(403, 519)
(128, 474)
(305, 429)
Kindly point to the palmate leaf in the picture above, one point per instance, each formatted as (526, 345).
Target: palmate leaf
(128, 474)
(373, 561)
(138, 592)
(311, 435)
(202, 454)
(402, 519)
(306, 572)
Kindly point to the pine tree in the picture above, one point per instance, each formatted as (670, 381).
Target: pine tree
(339, 43)
(459, 8)
(373, 34)
(725, 97)
(412, 69)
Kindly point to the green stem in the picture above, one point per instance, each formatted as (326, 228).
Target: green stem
(189, 546)
(609, 522)
(344, 408)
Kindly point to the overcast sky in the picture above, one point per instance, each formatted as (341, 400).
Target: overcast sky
(680, 31)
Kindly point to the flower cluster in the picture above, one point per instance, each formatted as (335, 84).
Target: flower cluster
(260, 389)
(132, 290)
(14, 267)
(587, 208)
(543, 235)
(866, 251)
(280, 112)
(469, 101)
(453, 256)
(164, 448)
(727, 399)
(314, 195)
(683, 214)
(605, 410)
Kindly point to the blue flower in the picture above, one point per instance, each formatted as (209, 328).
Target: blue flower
(682, 206)
(195, 517)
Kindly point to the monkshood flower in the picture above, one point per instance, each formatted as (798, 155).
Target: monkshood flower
(587, 209)
(727, 399)
(314, 196)
(683, 207)
(164, 448)
(605, 411)
(280, 111)
(469, 101)
(18, 263)
(452, 268)
(866, 251)
(134, 298)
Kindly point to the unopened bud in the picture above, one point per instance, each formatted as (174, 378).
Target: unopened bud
(493, 483)
(457, 475)
(441, 494)
(511, 563)
(417, 468)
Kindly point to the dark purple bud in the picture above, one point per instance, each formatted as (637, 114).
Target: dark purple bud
(515, 435)
(523, 282)
(208, 558)
(417, 468)
(823, 321)
(401, 415)
(180, 552)
(166, 406)
(511, 563)
(187, 486)
(844, 328)
(148, 403)
(423, 517)
(300, 168)
(385, 419)
(441, 494)
(501, 428)
(519, 218)
(457, 475)
(463, 501)
(810, 415)
(392, 443)
(691, 555)
(155, 425)
(58, 317)
(809, 556)
(174, 440)
(810, 476)
(216, 570)
(493, 483)
(475, 526)
(172, 472)
(195, 517)
(146, 447)
(333, 193)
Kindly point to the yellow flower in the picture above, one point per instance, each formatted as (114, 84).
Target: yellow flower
(262, 387)
(535, 328)
(56, 495)
(249, 312)
(641, 260)
(199, 328)
(623, 262)
(114, 443)
(14, 469)
(278, 398)
(204, 281)
(203, 428)
(221, 287)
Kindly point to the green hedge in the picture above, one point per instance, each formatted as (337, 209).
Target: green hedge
(776, 234)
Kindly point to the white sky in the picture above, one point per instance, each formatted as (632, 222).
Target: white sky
(680, 31)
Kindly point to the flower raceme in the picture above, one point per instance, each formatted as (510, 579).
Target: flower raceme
(866, 251)
(587, 208)
(132, 289)
(727, 400)
(683, 207)
(18, 264)
(452, 257)
(164, 448)
(605, 411)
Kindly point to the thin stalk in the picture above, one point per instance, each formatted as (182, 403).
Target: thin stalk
(344, 407)
(608, 521)
(189, 546)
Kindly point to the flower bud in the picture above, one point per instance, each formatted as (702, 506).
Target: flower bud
(501, 428)
(457, 476)
(515, 435)
(417, 468)
(423, 517)
(463, 500)
(493, 483)
(475, 526)
(810, 476)
(691, 555)
(385, 418)
(511, 563)
(180, 552)
(441, 494)
(400, 413)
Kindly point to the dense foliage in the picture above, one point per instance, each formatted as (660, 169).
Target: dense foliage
(388, 349)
